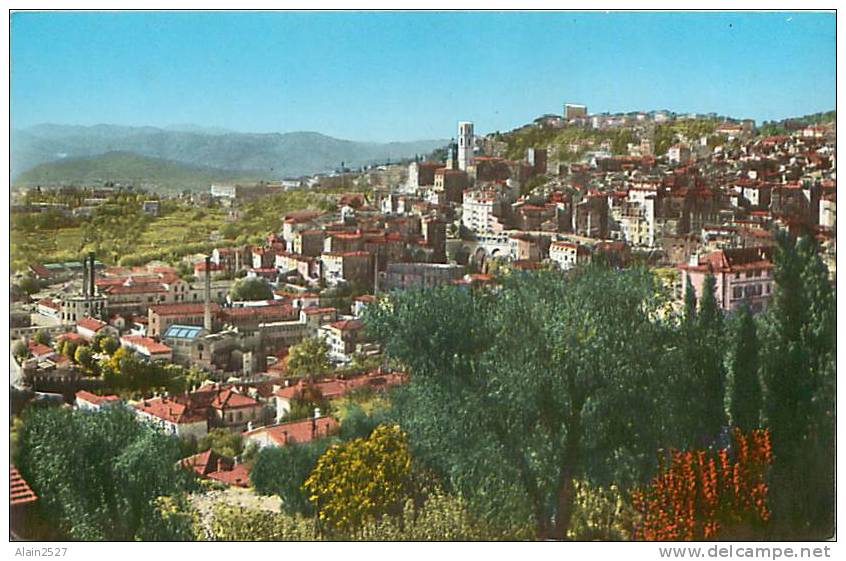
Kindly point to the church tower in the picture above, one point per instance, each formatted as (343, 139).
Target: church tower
(465, 145)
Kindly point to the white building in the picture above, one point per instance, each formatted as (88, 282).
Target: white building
(828, 212)
(568, 254)
(479, 210)
(173, 417)
(87, 401)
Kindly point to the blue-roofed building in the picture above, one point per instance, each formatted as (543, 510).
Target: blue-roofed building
(181, 338)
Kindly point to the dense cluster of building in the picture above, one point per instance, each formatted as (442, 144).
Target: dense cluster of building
(707, 206)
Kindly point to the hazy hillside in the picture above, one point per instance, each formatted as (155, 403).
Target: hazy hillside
(126, 167)
(270, 155)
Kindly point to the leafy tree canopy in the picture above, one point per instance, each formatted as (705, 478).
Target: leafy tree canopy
(252, 288)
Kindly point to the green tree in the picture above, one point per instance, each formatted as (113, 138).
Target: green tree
(68, 347)
(689, 302)
(282, 470)
(28, 284)
(744, 384)
(20, 350)
(84, 357)
(251, 288)
(362, 479)
(42, 337)
(308, 358)
(97, 474)
(110, 345)
(709, 359)
(798, 370)
(222, 441)
(516, 394)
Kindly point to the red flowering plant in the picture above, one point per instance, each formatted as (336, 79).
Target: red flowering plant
(705, 495)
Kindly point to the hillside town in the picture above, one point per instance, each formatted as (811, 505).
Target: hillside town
(268, 343)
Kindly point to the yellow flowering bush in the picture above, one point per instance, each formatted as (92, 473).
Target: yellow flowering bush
(361, 479)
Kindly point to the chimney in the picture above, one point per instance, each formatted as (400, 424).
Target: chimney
(85, 277)
(207, 319)
(92, 287)
(314, 422)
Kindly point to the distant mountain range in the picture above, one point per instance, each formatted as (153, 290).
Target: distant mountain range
(201, 150)
(129, 168)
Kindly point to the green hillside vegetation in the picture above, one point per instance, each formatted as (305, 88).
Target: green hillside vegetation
(537, 137)
(783, 127)
(120, 233)
(126, 167)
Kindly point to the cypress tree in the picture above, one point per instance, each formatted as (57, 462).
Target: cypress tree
(744, 382)
(689, 302)
(712, 374)
(798, 372)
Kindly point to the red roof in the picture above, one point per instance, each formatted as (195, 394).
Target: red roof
(152, 346)
(91, 324)
(70, 336)
(731, 260)
(19, 490)
(135, 289)
(201, 266)
(302, 215)
(95, 399)
(180, 309)
(337, 387)
(41, 270)
(37, 349)
(347, 324)
(48, 303)
(347, 254)
(170, 411)
(273, 312)
(229, 399)
(221, 468)
(301, 431)
(315, 310)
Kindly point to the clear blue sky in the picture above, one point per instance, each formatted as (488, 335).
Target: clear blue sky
(412, 75)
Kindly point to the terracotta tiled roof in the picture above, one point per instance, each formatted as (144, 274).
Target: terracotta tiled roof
(170, 411)
(221, 468)
(70, 336)
(49, 303)
(96, 399)
(37, 349)
(151, 345)
(19, 490)
(180, 309)
(260, 313)
(301, 431)
(315, 310)
(91, 324)
(229, 399)
(135, 289)
(347, 324)
(41, 270)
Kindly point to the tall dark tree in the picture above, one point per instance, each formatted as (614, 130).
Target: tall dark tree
(710, 320)
(798, 369)
(689, 301)
(517, 392)
(744, 384)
